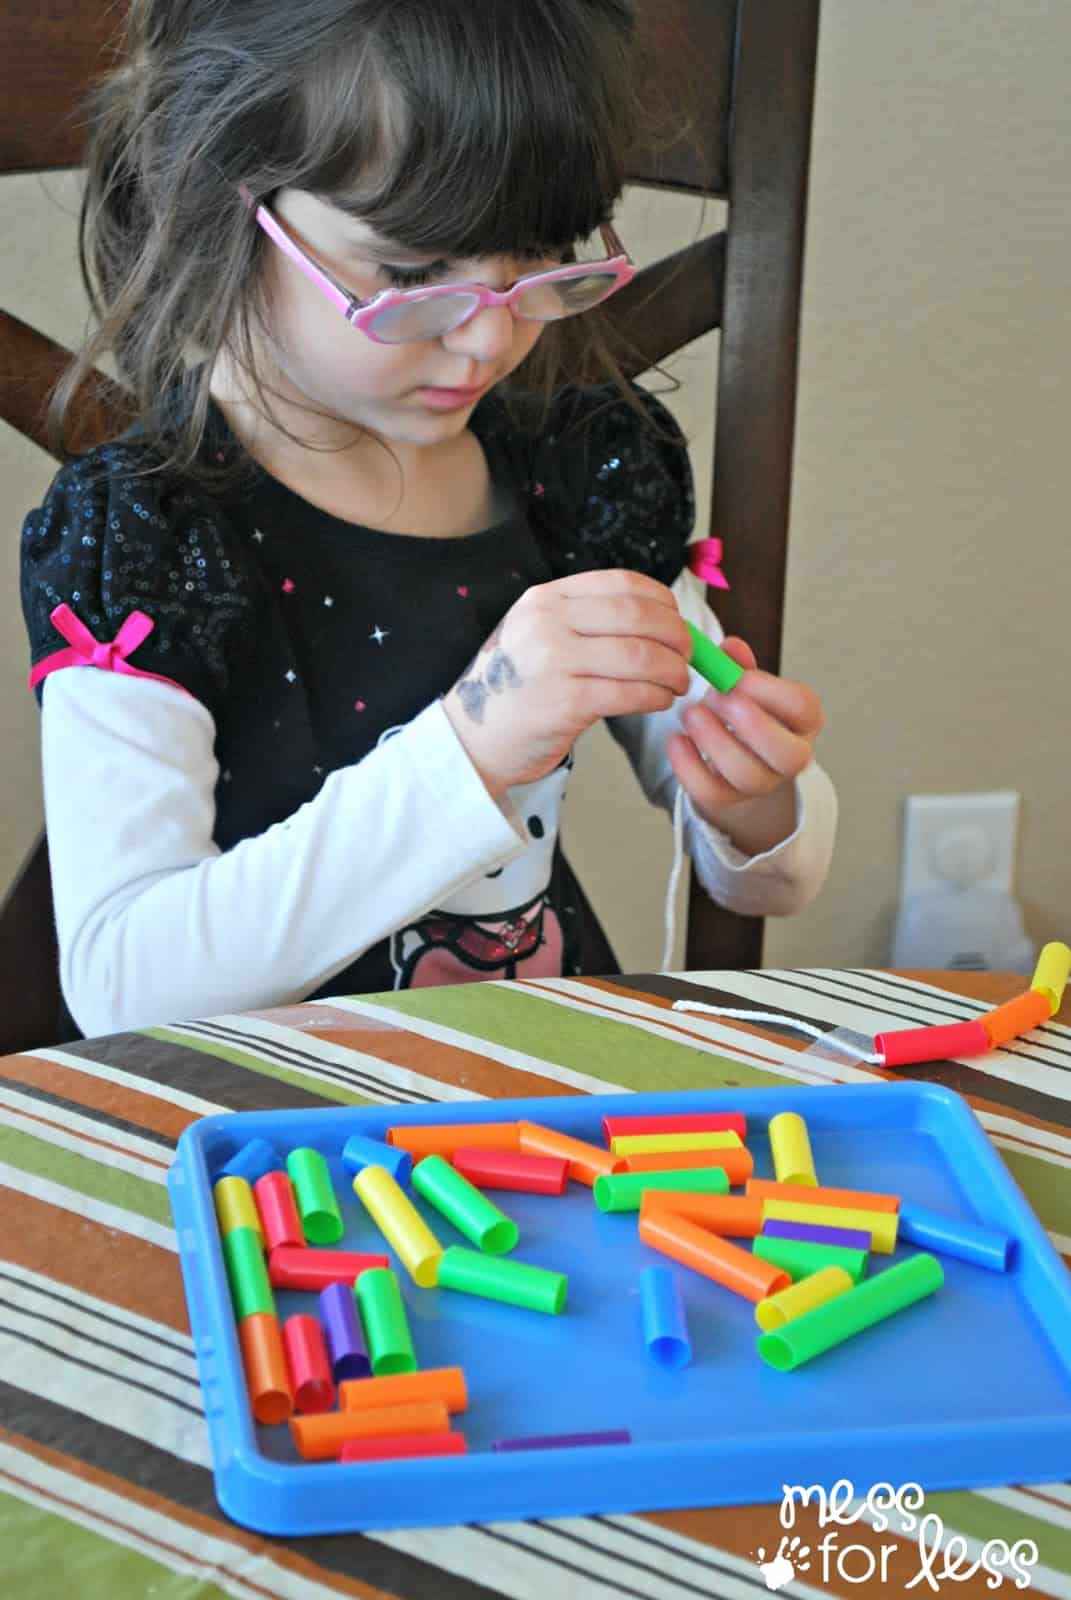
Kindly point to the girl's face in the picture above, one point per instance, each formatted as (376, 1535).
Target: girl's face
(388, 390)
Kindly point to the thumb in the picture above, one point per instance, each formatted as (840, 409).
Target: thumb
(740, 651)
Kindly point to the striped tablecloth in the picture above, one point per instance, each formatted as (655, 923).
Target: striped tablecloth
(105, 1479)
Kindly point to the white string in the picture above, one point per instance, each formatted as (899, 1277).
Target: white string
(669, 923)
(791, 1023)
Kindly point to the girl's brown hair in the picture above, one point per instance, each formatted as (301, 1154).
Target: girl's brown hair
(468, 127)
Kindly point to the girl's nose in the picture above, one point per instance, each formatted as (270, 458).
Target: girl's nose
(486, 337)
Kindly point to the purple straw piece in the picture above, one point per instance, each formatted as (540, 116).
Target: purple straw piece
(818, 1233)
(564, 1441)
(345, 1340)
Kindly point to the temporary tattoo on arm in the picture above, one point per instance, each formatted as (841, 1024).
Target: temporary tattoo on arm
(500, 674)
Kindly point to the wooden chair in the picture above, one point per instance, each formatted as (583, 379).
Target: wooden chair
(744, 71)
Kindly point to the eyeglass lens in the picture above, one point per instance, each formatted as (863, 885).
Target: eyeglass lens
(541, 302)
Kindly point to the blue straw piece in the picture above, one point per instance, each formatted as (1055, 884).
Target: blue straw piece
(252, 1162)
(359, 1152)
(665, 1329)
(951, 1236)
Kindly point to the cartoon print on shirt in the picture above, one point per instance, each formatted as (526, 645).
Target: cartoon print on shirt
(501, 925)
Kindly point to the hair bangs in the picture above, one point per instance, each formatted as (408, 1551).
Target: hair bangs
(471, 129)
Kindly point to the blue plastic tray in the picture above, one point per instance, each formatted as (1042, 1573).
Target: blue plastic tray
(971, 1387)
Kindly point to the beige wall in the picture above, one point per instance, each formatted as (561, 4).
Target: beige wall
(930, 579)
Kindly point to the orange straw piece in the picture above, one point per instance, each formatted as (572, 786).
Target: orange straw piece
(736, 1216)
(443, 1138)
(403, 1388)
(1015, 1017)
(266, 1376)
(846, 1199)
(738, 1165)
(586, 1161)
(319, 1438)
(726, 1263)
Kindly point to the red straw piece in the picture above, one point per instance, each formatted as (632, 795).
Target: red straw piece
(289, 1268)
(403, 1444)
(677, 1122)
(274, 1194)
(308, 1364)
(906, 1047)
(512, 1169)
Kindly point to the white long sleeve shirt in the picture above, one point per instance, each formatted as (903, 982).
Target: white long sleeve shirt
(156, 923)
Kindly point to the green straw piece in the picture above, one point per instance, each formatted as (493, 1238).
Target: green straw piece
(386, 1326)
(621, 1191)
(493, 1278)
(870, 1302)
(713, 663)
(247, 1273)
(800, 1257)
(462, 1204)
(317, 1207)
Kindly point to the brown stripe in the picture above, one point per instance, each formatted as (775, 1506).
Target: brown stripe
(98, 1094)
(744, 1530)
(100, 1261)
(216, 1529)
(396, 1045)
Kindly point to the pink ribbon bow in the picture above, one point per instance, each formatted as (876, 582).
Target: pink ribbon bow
(86, 651)
(704, 558)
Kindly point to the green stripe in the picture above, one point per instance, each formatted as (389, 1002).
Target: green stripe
(984, 1519)
(46, 1554)
(268, 1069)
(89, 1177)
(582, 1040)
(1046, 1186)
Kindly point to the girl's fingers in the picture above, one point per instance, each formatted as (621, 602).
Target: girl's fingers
(729, 757)
(634, 660)
(613, 581)
(710, 792)
(740, 651)
(775, 746)
(629, 617)
(793, 704)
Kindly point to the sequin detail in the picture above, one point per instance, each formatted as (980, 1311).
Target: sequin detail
(113, 542)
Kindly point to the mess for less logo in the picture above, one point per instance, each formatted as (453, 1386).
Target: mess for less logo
(941, 1559)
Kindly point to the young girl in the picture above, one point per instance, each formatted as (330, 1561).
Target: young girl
(362, 570)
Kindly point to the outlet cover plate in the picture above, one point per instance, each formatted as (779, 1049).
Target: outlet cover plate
(981, 826)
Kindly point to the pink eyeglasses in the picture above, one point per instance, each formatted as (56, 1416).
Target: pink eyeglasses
(403, 316)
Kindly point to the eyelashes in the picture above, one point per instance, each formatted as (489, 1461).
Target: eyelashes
(412, 277)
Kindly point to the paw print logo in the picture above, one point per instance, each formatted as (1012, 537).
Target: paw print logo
(791, 1557)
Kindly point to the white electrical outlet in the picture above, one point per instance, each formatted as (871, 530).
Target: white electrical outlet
(959, 840)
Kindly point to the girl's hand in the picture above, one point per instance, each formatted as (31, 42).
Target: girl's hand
(597, 644)
(741, 752)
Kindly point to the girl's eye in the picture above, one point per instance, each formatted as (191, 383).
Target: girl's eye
(411, 277)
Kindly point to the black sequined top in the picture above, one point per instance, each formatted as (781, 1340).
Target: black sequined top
(289, 624)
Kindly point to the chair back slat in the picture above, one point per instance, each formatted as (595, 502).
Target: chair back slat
(668, 304)
(692, 43)
(30, 365)
(50, 51)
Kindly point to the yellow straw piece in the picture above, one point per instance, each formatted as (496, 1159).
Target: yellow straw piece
(777, 1309)
(790, 1146)
(881, 1225)
(236, 1207)
(1051, 974)
(660, 1144)
(400, 1224)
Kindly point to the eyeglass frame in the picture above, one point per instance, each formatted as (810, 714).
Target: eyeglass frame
(360, 313)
